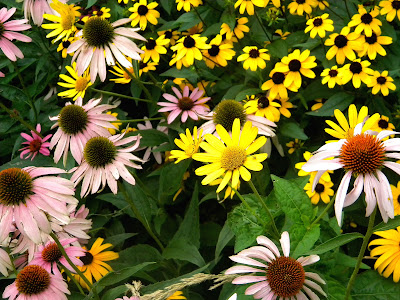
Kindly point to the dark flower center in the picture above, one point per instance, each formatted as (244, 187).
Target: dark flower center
(189, 42)
(227, 111)
(32, 280)
(278, 77)
(185, 103)
(151, 44)
(99, 152)
(300, 1)
(340, 41)
(214, 50)
(87, 259)
(98, 32)
(72, 119)
(317, 22)
(2, 29)
(333, 73)
(254, 53)
(278, 101)
(66, 44)
(142, 10)
(142, 65)
(396, 4)
(383, 124)
(356, 67)
(371, 39)
(35, 145)
(319, 188)
(366, 18)
(381, 80)
(51, 253)
(168, 34)
(263, 102)
(294, 65)
(15, 186)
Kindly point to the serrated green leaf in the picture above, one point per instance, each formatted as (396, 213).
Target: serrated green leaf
(372, 286)
(151, 137)
(336, 242)
(307, 241)
(113, 293)
(117, 239)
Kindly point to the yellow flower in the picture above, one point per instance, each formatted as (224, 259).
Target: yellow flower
(298, 7)
(153, 48)
(124, 77)
(388, 251)
(143, 13)
(321, 191)
(294, 64)
(396, 194)
(343, 45)
(319, 104)
(294, 145)
(276, 87)
(218, 54)
(232, 156)
(382, 124)
(332, 76)
(282, 35)
(373, 45)
(261, 106)
(390, 8)
(188, 143)
(63, 46)
(125, 1)
(322, 4)
(94, 265)
(238, 29)
(254, 58)
(319, 25)
(381, 82)
(198, 28)
(307, 155)
(366, 21)
(188, 49)
(77, 84)
(187, 5)
(248, 5)
(172, 35)
(146, 67)
(358, 72)
(284, 105)
(104, 12)
(116, 124)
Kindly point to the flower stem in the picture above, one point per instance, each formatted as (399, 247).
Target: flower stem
(262, 26)
(323, 212)
(347, 9)
(68, 272)
(146, 91)
(140, 120)
(361, 254)
(197, 13)
(262, 202)
(79, 272)
(119, 95)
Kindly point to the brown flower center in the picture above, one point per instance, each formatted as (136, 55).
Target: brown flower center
(294, 65)
(189, 42)
(340, 41)
(51, 253)
(333, 73)
(396, 4)
(356, 67)
(87, 259)
(381, 80)
(254, 53)
(72, 119)
(214, 50)
(317, 22)
(32, 280)
(142, 10)
(263, 102)
(383, 124)
(319, 188)
(99, 152)
(98, 32)
(227, 111)
(371, 39)
(185, 103)
(366, 18)
(151, 44)
(35, 145)
(15, 186)
(278, 77)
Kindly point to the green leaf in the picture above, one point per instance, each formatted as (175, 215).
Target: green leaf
(338, 101)
(307, 241)
(91, 3)
(391, 224)
(372, 286)
(113, 293)
(293, 130)
(278, 48)
(187, 20)
(187, 73)
(151, 137)
(336, 290)
(348, 261)
(248, 92)
(138, 254)
(336, 242)
(118, 201)
(122, 275)
(233, 91)
(171, 178)
(183, 250)
(229, 18)
(167, 5)
(115, 240)
(225, 236)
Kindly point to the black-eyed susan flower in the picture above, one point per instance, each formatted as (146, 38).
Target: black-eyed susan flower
(382, 124)
(77, 85)
(172, 35)
(238, 30)
(396, 198)
(276, 87)
(299, 7)
(103, 12)
(143, 12)
(219, 53)
(343, 45)
(284, 105)
(366, 21)
(231, 157)
(357, 72)
(261, 106)
(319, 25)
(294, 145)
(319, 103)
(145, 67)
(321, 191)
(63, 46)
(373, 45)
(188, 143)
(248, 5)
(381, 82)
(198, 28)
(282, 35)
(332, 76)
(387, 253)
(153, 48)
(253, 58)
(390, 8)
(188, 49)
(294, 65)
(187, 4)
(276, 3)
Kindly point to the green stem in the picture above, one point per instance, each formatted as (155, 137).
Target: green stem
(154, 80)
(361, 254)
(15, 115)
(68, 272)
(323, 44)
(264, 205)
(146, 91)
(8, 250)
(119, 95)
(323, 212)
(139, 217)
(197, 13)
(79, 272)
(140, 120)
(262, 26)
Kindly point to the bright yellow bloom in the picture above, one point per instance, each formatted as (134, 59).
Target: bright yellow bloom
(153, 48)
(321, 191)
(298, 7)
(396, 194)
(381, 82)
(357, 72)
(248, 5)
(63, 46)
(294, 145)
(319, 104)
(332, 76)
(284, 105)
(77, 84)
(116, 124)
(390, 8)
(238, 29)
(276, 87)
(187, 5)
(281, 34)
(373, 45)
(382, 124)
(143, 13)
(218, 54)
(104, 12)
(254, 58)
(319, 25)
(307, 155)
(188, 49)
(366, 21)
(343, 45)
(172, 35)
(322, 4)
(188, 143)
(232, 156)
(261, 106)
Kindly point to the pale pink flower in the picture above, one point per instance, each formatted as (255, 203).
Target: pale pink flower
(48, 255)
(35, 144)
(5, 262)
(273, 280)
(188, 105)
(9, 34)
(36, 9)
(28, 197)
(157, 155)
(78, 123)
(362, 155)
(34, 283)
(103, 43)
(105, 162)
(2, 74)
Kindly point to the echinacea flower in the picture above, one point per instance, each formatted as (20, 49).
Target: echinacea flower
(34, 282)
(8, 34)
(104, 162)
(28, 197)
(279, 277)
(188, 143)
(5, 262)
(103, 43)
(48, 255)
(184, 104)
(187, 5)
(35, 9)
(77, 123)
(149, 150)
(77, 85)
(254, 58)
(94, 262)
(35, 143)
(362, 155)
(143, 12)
(232, 156)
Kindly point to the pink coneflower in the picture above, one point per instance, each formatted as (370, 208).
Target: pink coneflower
(28, 197)
(103, 43)
(5, 262)
(77, 124)
(157, 155)
(188, 105)
(34, 282)
(362, 155)
(7, 34)
(36, 9)
(104, 162)
(49, 255)
(281, 277)
(35, 144)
